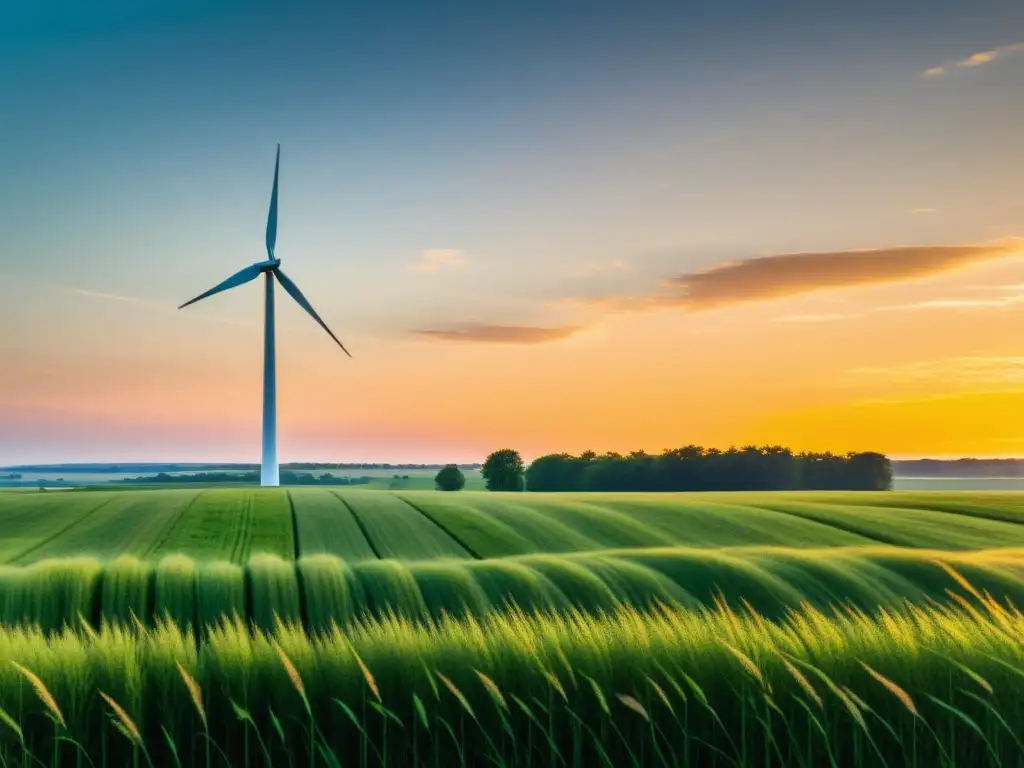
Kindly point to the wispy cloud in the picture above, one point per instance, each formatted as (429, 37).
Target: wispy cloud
(1012, 287)
(955, 303)
(436, 258)
(100, 295)
(975, 59)
(825, 317)
(978, 369)
(775, 277)
(922, 211)
(918, 306)
(766, 278)
(791, 274)
(502, 334)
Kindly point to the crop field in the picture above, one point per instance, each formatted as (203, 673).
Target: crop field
(316, 555)
(233, 524)
(806, 628)
(918, 687)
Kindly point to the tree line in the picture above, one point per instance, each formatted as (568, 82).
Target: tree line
(690, 468)
(286, 477)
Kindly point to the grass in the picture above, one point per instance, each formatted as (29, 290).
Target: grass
(318, 588)
(315, 626)
(326, 525)
(124, 525)
(230, 524)
(28, 525)
(234, 524)
(908, 527)
(395, 529)
(919, 686)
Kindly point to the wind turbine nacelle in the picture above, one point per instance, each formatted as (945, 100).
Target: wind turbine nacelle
(266, 266)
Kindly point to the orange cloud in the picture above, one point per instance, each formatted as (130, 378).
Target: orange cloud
(768, 278)
(774, 277)
(976, 59)
(792, 274)
(505, 334)
(990, 371)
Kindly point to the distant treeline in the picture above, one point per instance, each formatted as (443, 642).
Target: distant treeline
(286, 477)
(315, 465)
(959, 468)
(693, 468)
(156, 467)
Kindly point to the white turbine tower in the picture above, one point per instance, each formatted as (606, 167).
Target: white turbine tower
(271, 269)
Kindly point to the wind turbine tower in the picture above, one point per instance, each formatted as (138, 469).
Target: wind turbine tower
(271, 271)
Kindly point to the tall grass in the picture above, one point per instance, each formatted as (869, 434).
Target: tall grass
(320, 588)
(926, 686)
(274, 589)
(174, 590)
(125, 589)
(220, 592)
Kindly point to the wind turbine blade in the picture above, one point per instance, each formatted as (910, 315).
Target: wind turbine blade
(272, 214)
(239, 278)
(295, 293)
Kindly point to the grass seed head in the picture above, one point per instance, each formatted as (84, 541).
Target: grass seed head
(293, 673)
(42, 692)
(599, 695)
(130, 730)
(803, 682)
(367, 675)
(193, 691)
(492, 688)
(894, 689)
(456, 693)
(747, 662)
(959, 579)
(556, 684)
(633, 704)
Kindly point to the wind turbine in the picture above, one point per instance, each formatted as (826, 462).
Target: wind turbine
(271, 269)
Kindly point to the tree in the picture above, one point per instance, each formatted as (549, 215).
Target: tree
(555, 472)
(450, 478)
(503, 471)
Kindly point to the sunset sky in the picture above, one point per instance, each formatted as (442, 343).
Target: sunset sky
(546, 226)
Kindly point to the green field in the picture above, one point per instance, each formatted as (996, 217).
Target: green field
(314, 554)
(605, 629)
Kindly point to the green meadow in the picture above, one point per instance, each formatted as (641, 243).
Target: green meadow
(338, 626)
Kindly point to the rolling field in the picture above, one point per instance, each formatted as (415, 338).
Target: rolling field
(315, 555)
(234, 524)
(339, 626)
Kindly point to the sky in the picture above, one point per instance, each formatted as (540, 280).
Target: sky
(547, 226)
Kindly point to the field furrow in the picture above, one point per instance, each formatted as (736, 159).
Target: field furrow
(232, 524)
(601, 521)
(396, 530)
(326, 525)
(480, 532)
(908, 527)
(540, 531)
(704, 523)
(29, 521)
(128, 525)
(1004, 507)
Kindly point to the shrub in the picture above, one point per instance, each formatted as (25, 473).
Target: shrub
(450, 478)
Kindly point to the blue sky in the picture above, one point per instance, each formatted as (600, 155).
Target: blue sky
(543, 146)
